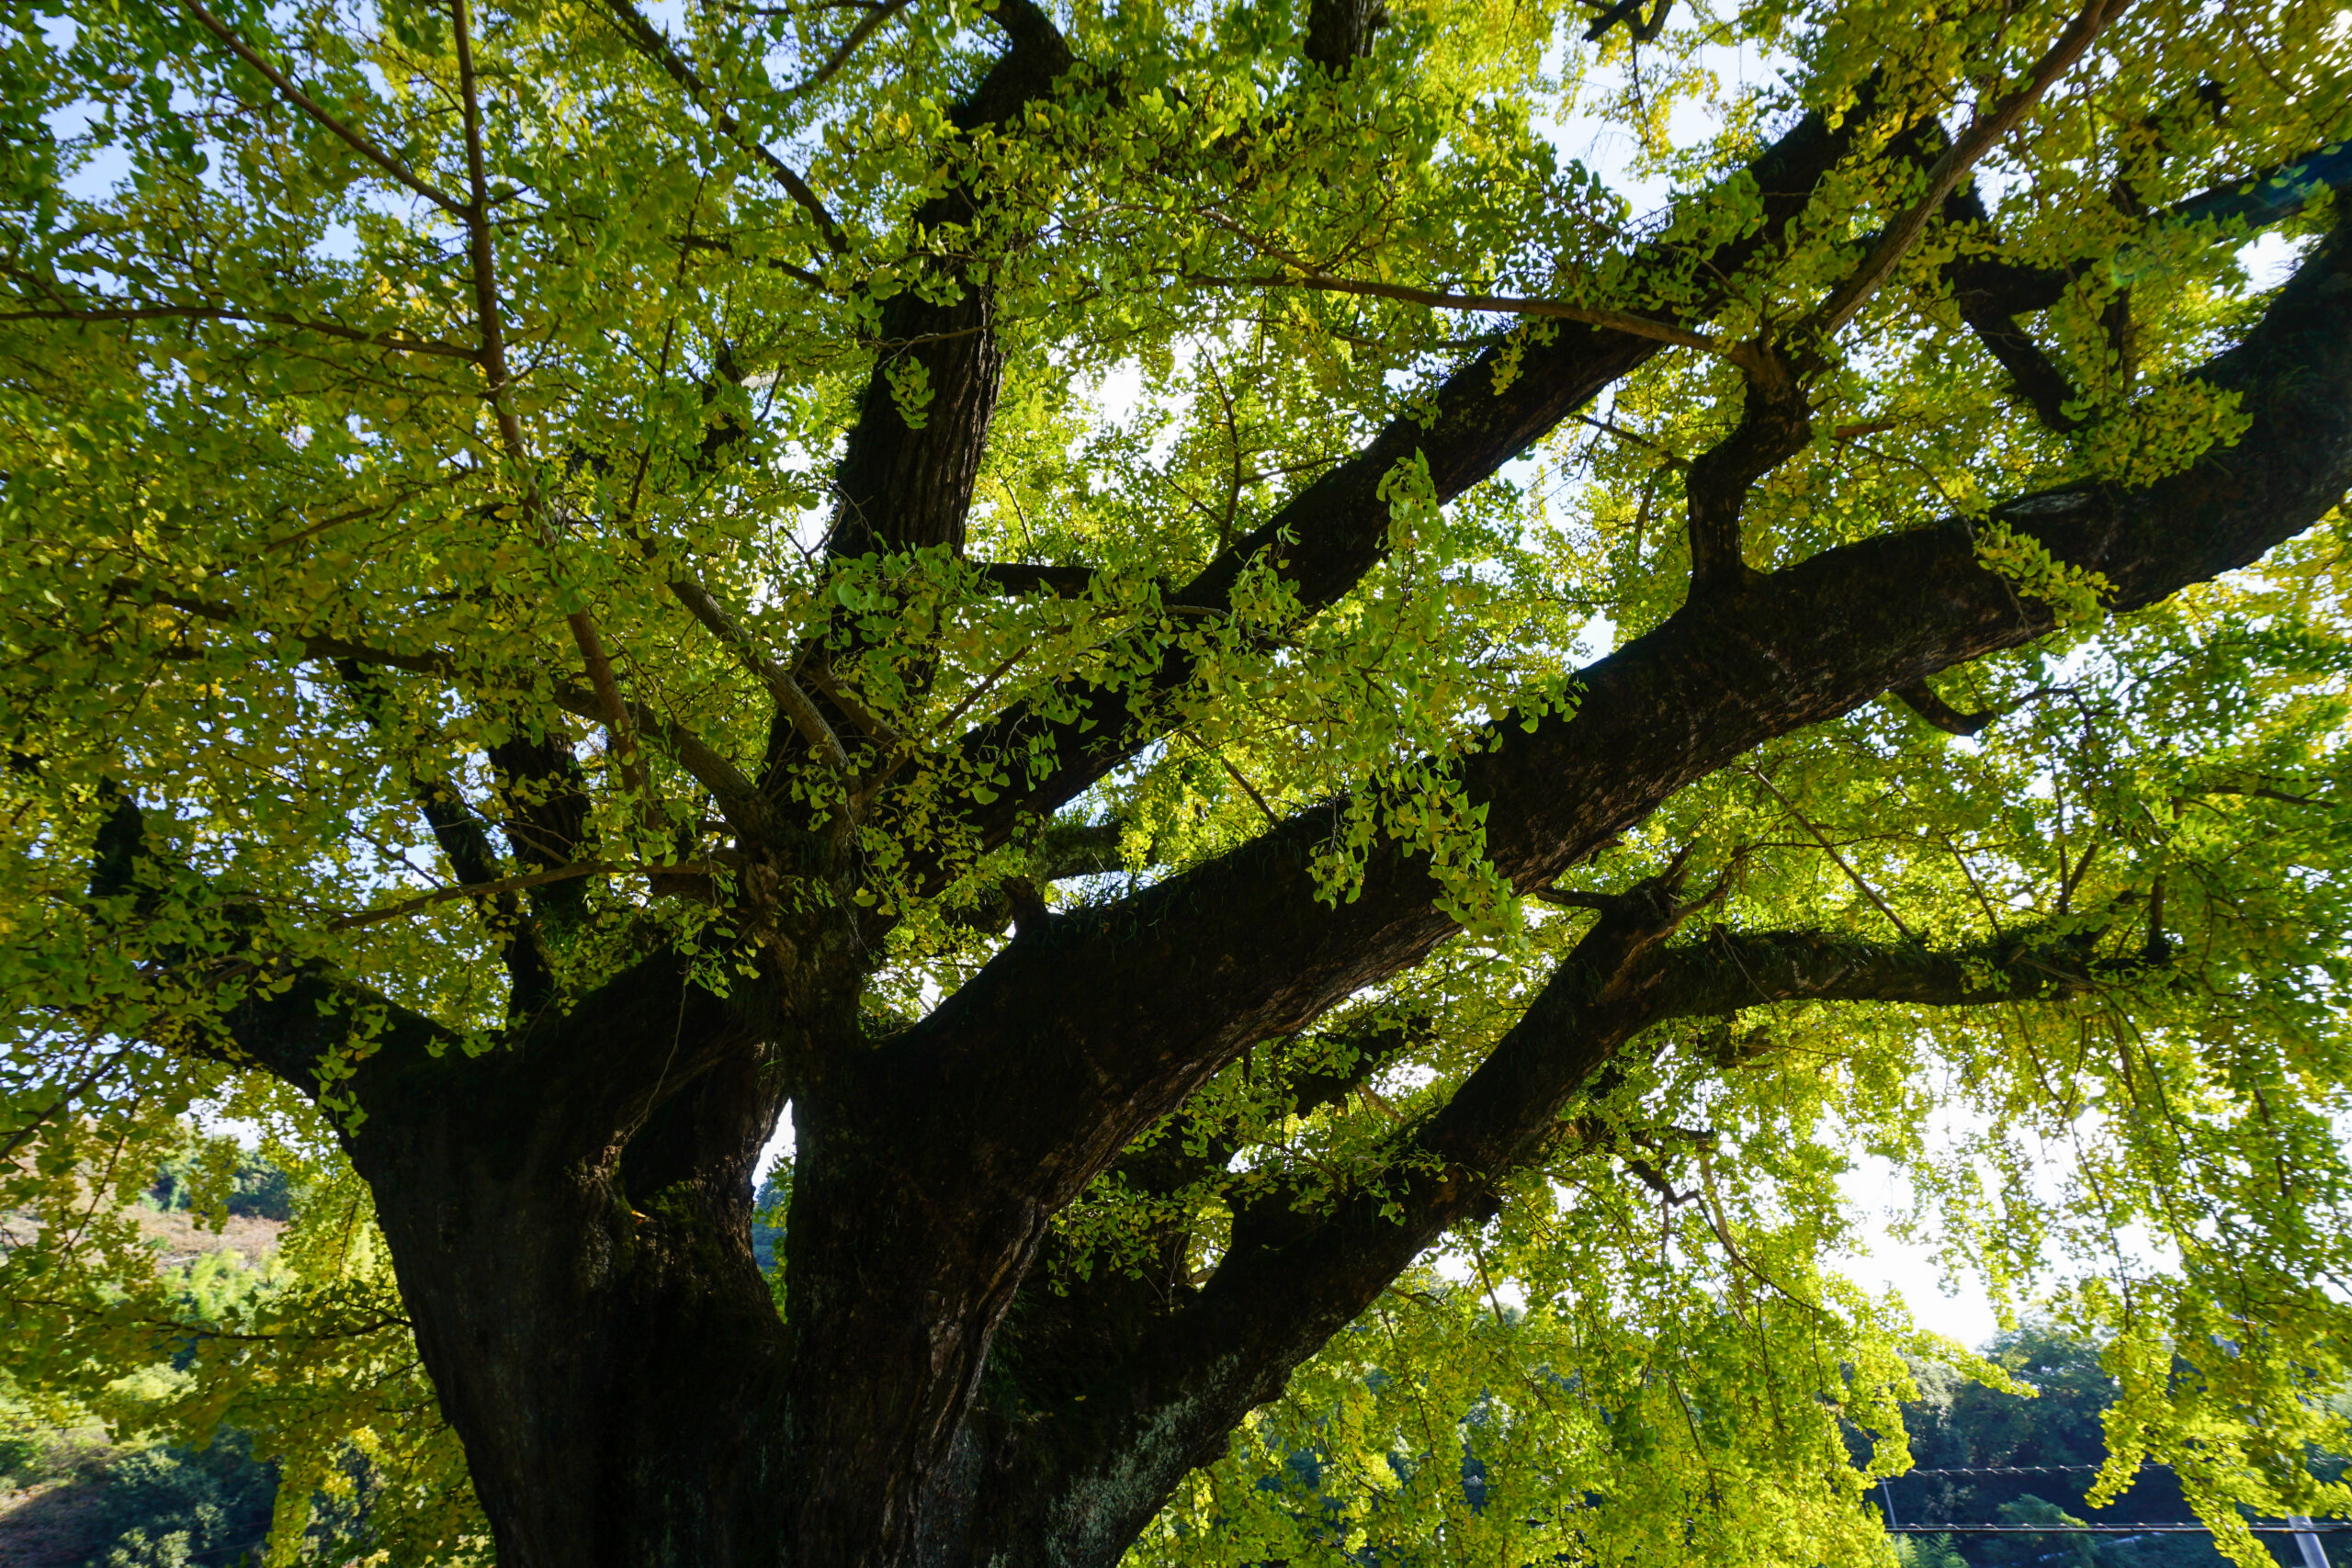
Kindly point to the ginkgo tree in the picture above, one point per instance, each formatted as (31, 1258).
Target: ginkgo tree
(1335, 780)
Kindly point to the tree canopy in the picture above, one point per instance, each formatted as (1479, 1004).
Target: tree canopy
(1337, 775)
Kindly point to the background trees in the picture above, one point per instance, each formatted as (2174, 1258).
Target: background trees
(576, 580)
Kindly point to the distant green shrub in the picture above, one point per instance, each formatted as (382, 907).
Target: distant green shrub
(1927, 1551)
(257, 1188)
(168, 1508)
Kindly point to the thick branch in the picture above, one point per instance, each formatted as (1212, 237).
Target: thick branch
(463, 839)
(579, 1074)
(1190, 971)
(1775, 422)
(904, 486)
(1328, 536)
(1291, 1279)
(1340, 32)
(1629, 12)
(1921, 699)
(565, 1082)
(1993, 294)
(544, 805)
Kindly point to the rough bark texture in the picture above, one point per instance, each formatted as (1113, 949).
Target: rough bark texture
(568, 1216)
(909, 487)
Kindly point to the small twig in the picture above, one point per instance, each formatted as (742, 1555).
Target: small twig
(986, 684)
(1673, 458)
(1478, 1256)
(361, 145)
(399, 343)
(516, 884)
(435, 663)
(2074, 878)
(1969, 872)
(874, 18)
(1233, 438)
(1499, 304)
(1852, 874)
(1712, 1206)
(65, 1096)
(1244, 783)
(656, 46)
(477, 890)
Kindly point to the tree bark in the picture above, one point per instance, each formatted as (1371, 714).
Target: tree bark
(599, 1334)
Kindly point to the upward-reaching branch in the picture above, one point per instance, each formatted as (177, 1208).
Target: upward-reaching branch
(481, 249)
(1775, 422)
(1982, 134)
(908, 485)
(789, 698)
(905, 486)
(464, 841)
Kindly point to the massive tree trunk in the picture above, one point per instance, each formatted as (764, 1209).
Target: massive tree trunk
(582, 1289)
(574, 1249)
(608, 1355)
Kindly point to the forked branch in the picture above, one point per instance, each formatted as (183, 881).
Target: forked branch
(1982, 134)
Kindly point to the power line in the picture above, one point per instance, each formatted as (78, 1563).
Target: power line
(2020, 1469)
(2109, 1529)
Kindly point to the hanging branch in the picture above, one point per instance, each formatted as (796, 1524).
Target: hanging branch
(1826, 847)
